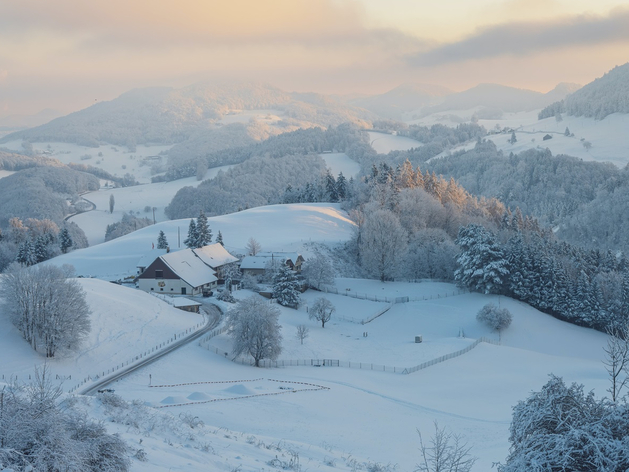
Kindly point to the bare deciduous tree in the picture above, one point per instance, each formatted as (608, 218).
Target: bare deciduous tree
(617, 360)
(47, 307)
(255, 329)
(445, 452)
(318, 270)
(302, 332)
(321, 310)
(253, 247)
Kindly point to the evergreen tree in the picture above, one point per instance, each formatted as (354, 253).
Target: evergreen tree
(341, 187)
(26, 254)
(286, 287)
(193, 237)
(219, 238)
(204, 233)
(513, 139)
(330, 187)
(65, 241)
(40, 249)
(162, 242)
(567, 132)
(483, 266)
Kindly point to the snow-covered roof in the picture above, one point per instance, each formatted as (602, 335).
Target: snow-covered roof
(189, 267)
(215, 255)
(150, 256)
(261, 259)
(177, 302)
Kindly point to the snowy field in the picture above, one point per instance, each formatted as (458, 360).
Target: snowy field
(134, 199)
(384, 143)
(608, 137)
(331, 418)
(124, 323)
(368, 415)
(340, 162)
(245, 116)
(275, 227)
(117, 160)
(6, 173)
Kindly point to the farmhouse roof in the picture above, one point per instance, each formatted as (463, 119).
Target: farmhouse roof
(261, 259)
(215, 255)
(190, 268)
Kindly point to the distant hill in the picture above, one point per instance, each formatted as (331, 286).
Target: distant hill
(162, 115)
(562, 90)
(401, 99)
(500, 98)
(12, 123)
(605, 95)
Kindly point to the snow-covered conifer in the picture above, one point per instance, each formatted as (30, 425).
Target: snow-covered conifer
(162, 242)
(286, 287)
(193, 236)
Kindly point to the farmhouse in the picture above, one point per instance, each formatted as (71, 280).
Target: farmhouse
(255, 265)
(185, 272)
(181, 272)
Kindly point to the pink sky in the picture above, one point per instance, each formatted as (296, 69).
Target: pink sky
(68, 53)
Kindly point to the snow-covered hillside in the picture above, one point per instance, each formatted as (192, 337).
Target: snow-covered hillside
(124, 323)
(366, 414)
(134, 199)
(608, 139)
(275, 227)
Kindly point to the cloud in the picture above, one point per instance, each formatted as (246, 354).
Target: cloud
(526, 38)
(164, 22)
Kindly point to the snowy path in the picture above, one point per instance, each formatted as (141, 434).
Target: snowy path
(212, 321)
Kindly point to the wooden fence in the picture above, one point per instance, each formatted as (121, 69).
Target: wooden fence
(352, 365)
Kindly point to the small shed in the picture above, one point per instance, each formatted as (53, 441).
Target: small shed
(186, 304)
(257, 264)
(547, 137)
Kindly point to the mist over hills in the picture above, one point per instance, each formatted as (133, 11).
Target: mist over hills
(12, 123)
(402, 99)
(498, 97)
(163, 115)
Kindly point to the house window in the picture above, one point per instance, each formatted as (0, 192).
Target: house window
(152, 288)
(159, 274)
(161, 289)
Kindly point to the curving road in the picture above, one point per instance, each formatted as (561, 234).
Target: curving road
(214, 318)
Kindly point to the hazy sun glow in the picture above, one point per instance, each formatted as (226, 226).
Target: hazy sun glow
(65, 54)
